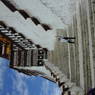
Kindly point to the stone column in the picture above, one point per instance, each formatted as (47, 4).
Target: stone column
(19, 57)
(71, 52)
(76, 52)
(15, 58)
(29, 57)
(81, 71)
(22, 58)
(0, 49)
(91, 27)
(3, 49)
(25, 58)
(35, 57)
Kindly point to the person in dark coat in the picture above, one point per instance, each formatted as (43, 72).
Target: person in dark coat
(66, 39)
(91, 92)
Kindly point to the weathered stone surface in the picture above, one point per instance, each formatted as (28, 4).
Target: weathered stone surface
(77, 61)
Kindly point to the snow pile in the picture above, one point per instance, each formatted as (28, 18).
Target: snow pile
(55, 13)
(64, 9)
(41, 69)
(38, 35)
(40, 11)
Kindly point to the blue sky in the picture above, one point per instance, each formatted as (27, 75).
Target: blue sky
(14, 83)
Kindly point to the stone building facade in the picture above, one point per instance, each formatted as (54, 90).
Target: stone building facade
(77, 60)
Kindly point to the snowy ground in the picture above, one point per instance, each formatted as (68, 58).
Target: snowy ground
(64, 9)
(56, 13)
(14, 83)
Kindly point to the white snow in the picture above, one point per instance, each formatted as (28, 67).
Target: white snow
(57, 14)
(28, 28)
(64, 9)
(37, 9)
(76, 90)
(39, 69)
